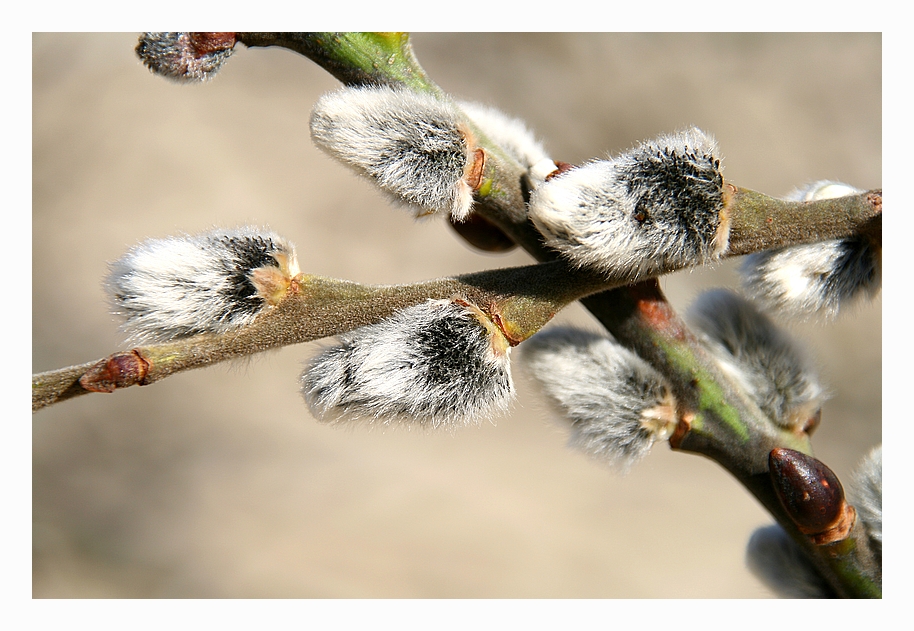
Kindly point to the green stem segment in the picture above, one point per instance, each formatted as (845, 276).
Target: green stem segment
(355, 58)
(718, 416)
(854, 562)
(719, 421)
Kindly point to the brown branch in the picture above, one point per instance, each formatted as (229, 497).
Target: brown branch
(759, 222)
(519, 299)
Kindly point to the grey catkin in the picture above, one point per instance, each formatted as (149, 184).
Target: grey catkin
(185, 285)
(616, 405)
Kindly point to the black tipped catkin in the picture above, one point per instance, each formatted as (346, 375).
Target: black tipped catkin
(208, 283)
(655, 208)
(440, 363)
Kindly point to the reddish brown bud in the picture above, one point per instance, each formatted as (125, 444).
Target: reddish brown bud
(208, 43)
(810, 492)
(683, 426)
(561, 167)
(476, 170)
(813, 422)
(118, 371)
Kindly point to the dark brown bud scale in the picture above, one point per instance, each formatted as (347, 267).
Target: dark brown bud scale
(810, 492)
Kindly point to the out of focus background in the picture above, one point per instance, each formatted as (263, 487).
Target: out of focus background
(219, 483)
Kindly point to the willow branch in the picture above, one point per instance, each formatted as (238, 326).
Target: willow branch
(757, 222)
(718, 420)
(761, 223)
(520, 300)
(354, 58)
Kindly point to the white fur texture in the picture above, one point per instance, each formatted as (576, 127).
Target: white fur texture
(654, 208)
(822, 189)
(511, 134)
(172, 55)
(781, 564)
(865, 494)
(816, 279)
(185, 285)
(434, 364)
(617, 405)
(770, 366)
(412, 145)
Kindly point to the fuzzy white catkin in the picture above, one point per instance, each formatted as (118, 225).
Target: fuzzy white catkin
(174, 55)
(435, 364)
(190, 284)
(616, 404)
(776, 560)
(413, 145)
(769, 365)
(510, 133)
(865, 494)
(654, 208)
(815, 279)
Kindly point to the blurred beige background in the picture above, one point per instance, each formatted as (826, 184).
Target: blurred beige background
(218, 483)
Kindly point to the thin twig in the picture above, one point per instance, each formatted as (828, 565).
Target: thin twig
(520, 299)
